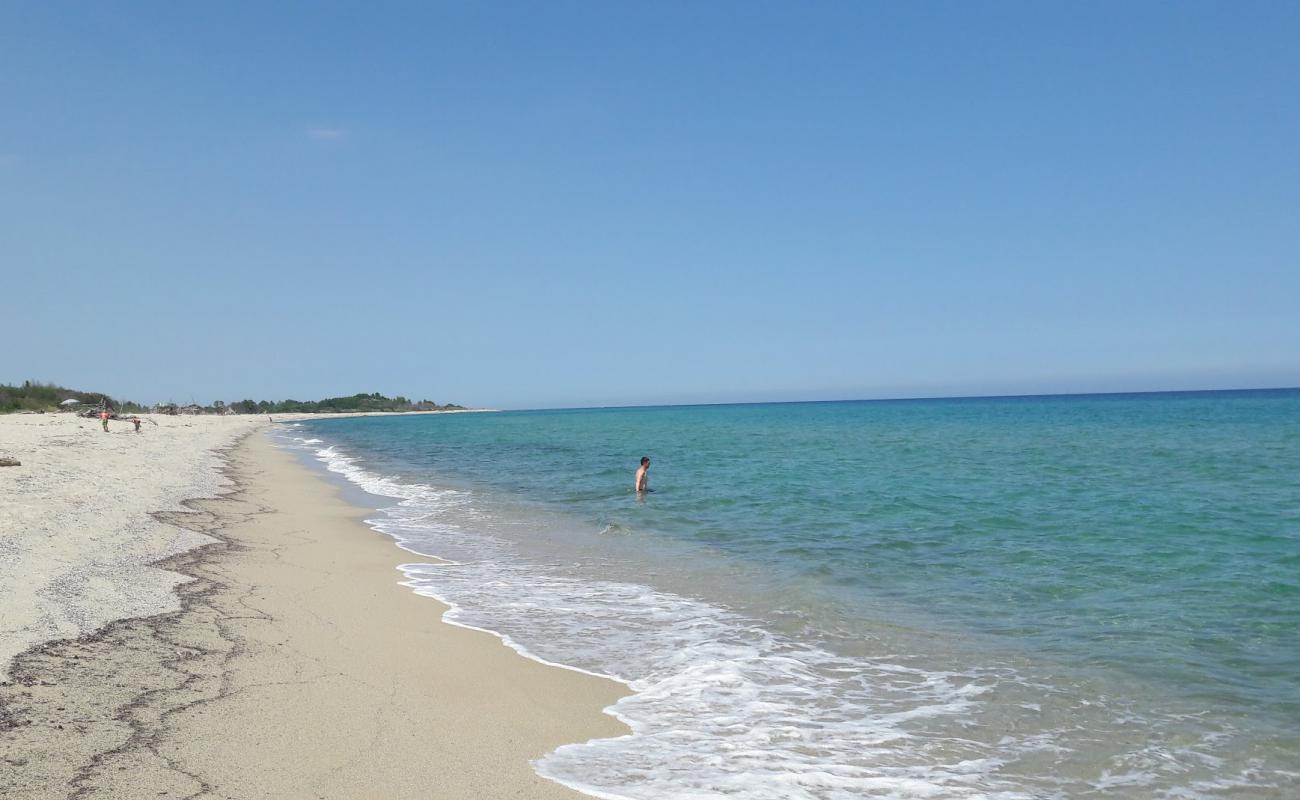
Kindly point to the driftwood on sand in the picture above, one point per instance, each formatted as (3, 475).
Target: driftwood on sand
(6, 461)
(94, 412)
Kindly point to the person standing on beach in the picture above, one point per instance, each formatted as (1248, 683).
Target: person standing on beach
(136, 421)
(643, 476)
(103, 419)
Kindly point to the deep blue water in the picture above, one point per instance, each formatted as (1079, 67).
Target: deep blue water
(1006, 597)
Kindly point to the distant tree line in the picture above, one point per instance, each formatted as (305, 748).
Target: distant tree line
(330, 405)
(34, 396)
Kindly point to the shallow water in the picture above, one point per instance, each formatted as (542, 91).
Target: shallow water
(1018, 597)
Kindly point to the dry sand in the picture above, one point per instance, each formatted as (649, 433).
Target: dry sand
(76, 535)
(296, 667)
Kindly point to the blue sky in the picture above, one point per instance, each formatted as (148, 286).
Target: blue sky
(539, 204)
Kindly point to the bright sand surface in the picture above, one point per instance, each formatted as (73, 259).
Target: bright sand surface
(297, 665)
(76, 535)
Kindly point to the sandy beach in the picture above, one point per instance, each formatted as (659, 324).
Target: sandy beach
(256, 643)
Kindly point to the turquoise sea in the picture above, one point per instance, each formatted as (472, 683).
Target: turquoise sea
(1031, 597)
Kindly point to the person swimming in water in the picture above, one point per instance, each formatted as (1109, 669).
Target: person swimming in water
(643, 476)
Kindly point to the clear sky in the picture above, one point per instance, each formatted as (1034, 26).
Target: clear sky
(592, 203)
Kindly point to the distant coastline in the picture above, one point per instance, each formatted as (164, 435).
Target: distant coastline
(33, 396)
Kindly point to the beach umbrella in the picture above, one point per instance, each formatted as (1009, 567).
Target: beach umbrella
(71, 401)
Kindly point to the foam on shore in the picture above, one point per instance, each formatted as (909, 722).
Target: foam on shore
(724, 705)
(721, 706)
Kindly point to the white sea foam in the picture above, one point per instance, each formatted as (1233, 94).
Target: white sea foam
(723, 707)
(720, 707)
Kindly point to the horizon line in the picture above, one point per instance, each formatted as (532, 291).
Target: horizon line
(918, 398)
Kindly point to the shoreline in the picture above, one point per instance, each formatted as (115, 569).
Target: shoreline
(267, 642)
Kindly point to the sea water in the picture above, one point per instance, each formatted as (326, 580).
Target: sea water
(1039, 597)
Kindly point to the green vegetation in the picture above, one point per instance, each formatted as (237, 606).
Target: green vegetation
(34, 396)
(332, 405)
